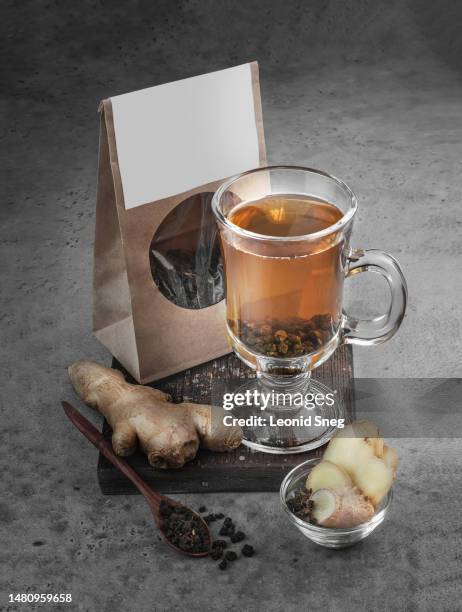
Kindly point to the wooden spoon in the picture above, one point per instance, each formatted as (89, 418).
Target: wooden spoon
(152, 497)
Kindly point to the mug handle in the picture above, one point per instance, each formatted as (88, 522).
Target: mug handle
(381, 328)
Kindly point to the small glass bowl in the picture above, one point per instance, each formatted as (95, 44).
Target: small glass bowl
(327, 536)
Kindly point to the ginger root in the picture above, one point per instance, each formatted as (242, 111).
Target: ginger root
(327, 475)
(360, 451)
(356, 472)
(170, 434)
(340, 509)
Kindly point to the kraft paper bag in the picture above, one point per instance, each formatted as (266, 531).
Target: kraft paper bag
(158, 277)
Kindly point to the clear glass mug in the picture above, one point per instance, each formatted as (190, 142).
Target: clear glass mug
(284, 293)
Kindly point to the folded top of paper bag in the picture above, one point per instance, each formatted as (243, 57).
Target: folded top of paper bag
(174, 137)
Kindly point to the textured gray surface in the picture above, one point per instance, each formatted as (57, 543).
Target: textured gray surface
(370, 92)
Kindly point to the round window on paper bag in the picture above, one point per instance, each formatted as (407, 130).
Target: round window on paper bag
(185, 257)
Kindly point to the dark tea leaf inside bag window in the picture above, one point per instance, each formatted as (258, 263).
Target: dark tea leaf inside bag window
(185, 255)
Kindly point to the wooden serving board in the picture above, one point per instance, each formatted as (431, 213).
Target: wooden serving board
(242, 469)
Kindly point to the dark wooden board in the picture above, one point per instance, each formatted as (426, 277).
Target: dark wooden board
(241, 470)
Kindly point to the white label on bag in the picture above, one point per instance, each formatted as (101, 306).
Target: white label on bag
(178, 136)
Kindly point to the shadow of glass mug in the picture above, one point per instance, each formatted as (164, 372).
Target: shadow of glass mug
(285, 238)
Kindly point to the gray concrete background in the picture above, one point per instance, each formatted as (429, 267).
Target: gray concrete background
(369, 91)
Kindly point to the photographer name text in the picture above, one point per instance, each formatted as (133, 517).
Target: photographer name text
(273, 421)
(267, 401)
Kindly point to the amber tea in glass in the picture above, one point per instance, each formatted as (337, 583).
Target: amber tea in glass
(289, 303)
(285, 237)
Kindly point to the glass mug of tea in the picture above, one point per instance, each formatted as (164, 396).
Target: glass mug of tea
(285, 238)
